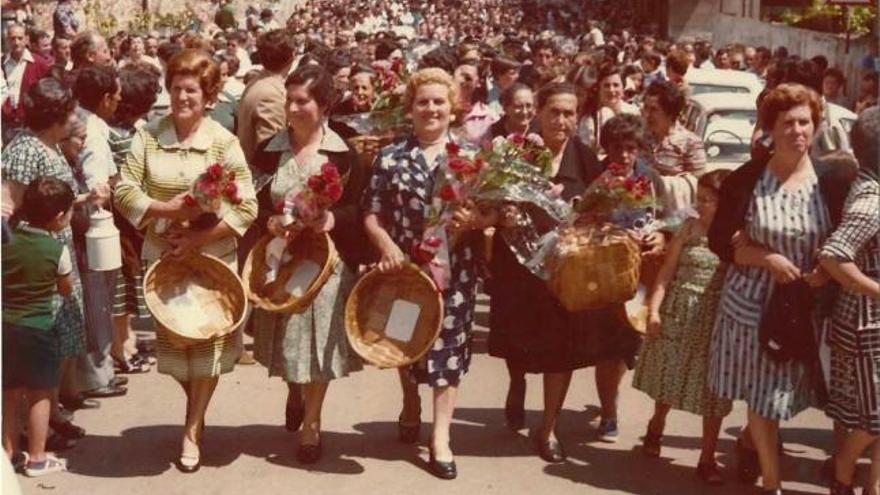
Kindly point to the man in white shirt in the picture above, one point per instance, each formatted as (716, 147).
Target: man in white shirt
(21, 71)
(98, 92)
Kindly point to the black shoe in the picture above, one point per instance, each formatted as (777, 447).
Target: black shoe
(514, 406)
(408, 433)
(57, 443)
(105, 392)
(119, 381)
(551, 451)
(442, 470)
(188, 467)
(308, 454)
(293, 417)
(748, 468)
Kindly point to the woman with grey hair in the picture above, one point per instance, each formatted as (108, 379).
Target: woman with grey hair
(851, 256)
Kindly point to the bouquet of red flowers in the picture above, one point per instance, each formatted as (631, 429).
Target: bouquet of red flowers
(614, 191)
(323, 189)
(213, 192)
(386, 114)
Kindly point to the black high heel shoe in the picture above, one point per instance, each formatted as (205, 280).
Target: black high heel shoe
(748, 468)
(551, 451)
(442, 470)
(309, 454)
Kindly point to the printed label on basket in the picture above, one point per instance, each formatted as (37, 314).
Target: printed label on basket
(302, 278)
(402, 320)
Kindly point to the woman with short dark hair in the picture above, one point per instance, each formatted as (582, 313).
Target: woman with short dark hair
(49, 110)
(308, 350)
(604, 102)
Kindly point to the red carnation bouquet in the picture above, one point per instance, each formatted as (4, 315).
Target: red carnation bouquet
(213, 192)
(323, 189)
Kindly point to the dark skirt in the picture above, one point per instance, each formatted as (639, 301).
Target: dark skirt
(531, 330)
(31, 358)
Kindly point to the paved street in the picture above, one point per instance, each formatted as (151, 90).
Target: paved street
(132, 441)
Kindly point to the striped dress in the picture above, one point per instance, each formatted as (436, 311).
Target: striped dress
(793, 224)
(159, 168)
(854, 391)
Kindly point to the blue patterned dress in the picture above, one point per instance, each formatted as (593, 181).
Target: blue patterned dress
(25, 159)
(794, 224)
(400, 189)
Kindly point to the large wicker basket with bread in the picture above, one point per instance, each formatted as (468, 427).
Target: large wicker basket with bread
(393, 319)
(594, 266)
(194, 299)
(312, 256)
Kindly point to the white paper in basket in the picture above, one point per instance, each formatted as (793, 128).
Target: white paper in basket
(402, 320)
(276, 255)
(302, 278)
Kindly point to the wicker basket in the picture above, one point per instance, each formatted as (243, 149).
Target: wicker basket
(306, 246)
(195, 299)
(593, 267)
(368, 146)
(369, 308)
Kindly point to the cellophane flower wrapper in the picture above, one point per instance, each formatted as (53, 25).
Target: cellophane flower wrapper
(505, 171)
(214, 192)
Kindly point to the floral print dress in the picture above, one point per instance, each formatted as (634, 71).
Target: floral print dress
(399, 193)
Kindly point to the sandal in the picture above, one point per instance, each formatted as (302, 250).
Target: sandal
(709, 473)
(130, 365)
(50, 465)
(652, 443)
(67, 429)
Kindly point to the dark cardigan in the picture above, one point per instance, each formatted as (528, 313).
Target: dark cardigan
(736, 195)
(348, 233)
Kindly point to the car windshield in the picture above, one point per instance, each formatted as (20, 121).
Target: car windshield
(728, 134)
(703, 88)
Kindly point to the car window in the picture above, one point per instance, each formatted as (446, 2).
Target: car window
(701, 88)
(727, 135)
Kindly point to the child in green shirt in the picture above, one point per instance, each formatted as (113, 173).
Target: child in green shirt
(36, 269)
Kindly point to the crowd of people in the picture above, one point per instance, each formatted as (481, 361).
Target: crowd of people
(787, 242)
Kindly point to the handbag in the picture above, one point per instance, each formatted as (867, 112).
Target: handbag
(786, 330)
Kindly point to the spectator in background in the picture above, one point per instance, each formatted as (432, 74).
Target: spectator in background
(867, 92)
(134, 51)
(89, 48)
(544, 53)
(650, 62)
(505, 72)
(722, 59)
(41, 46)
(677, 67)
(61, 52)
(235, 48)
(21, 71)
(64, 19)
(761, 62)
(821, 63)
(834, 87)
(151, 45)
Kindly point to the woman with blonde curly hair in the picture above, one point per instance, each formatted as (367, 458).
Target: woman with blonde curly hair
(402, 184)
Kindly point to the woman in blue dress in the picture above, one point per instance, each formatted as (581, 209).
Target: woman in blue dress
(776, 213)
(396, 201)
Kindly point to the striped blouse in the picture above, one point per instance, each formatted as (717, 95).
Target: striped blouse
(792, 223)
(158, 168)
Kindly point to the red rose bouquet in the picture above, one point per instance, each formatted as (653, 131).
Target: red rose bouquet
(214, 191)
(323, 189)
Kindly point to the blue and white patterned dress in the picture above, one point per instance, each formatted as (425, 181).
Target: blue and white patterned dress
(793, 224)
(400, 189)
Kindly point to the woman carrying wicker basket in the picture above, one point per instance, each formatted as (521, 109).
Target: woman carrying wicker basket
(166, 157)
(400, 189)
(310, 349)
(529, 327)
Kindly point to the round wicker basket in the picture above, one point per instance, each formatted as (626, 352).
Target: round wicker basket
(305, 247)
(195, 298)
(369, 308)
(594, 266)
